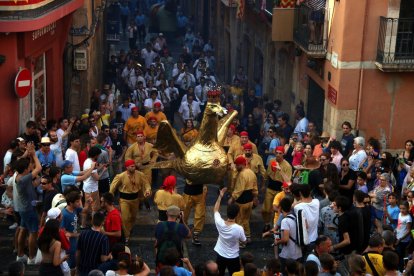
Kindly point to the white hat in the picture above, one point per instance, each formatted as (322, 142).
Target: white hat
(53, 213)
(45, 140)
(59, 201)
(20, 139)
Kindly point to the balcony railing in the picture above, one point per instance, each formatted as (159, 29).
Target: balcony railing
(395, 51)
(309, 31)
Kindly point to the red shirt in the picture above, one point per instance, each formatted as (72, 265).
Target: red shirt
(63, 240)
(113, 224)
(83, 155)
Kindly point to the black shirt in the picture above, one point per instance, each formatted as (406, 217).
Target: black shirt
(287, 131)
(351, 175)
(343, 227)
(47, 200)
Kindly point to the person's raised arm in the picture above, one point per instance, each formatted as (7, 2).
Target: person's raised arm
(217, 204)
(38, 166)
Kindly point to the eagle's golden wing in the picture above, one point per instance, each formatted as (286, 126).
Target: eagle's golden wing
(168, 141)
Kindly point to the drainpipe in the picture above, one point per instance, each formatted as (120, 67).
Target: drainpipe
(361, 70)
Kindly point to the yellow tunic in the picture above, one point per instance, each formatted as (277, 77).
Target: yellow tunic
(133, 125)
(130, 184)
(159, 115)
(277, 176)
(255, 163)
(103, 120)
(276, 202)
(141, 155)
(245, 180)
(237, 149)
(151, 134)
(164, 199)
(230, 141)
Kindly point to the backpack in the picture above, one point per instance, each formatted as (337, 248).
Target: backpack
(302, 237)
(169, 239)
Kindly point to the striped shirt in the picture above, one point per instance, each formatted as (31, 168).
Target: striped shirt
(92, 245)
(316, 4)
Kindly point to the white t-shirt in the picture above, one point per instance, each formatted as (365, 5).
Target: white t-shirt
(90, 185)
(311, 213)
(7, 159)
(302, 126)
(290, 250)
(402, 226)
(356, 159)
(227, 244)
(313, 257)
(72, 156)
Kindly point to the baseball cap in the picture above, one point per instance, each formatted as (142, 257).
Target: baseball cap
(53, 213)
(66, 164)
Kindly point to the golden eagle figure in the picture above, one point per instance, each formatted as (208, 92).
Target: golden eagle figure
(205, 162)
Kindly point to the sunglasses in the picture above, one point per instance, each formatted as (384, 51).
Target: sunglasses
(46, 145)
(43, 183)
(345, 165)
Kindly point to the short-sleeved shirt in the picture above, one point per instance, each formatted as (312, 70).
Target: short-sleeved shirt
(72, 156)
(70, 224)
(351, 175)
(311, 213)
(291, 250)
(393, 212)
(90, 185)
(47, 199)
(25, 193)
(181, 271)
(356, 159)
(68, 179)
(46, 159)
(112, 224)
(92, 245)
(402, 227)
(227, 244)
(343, 227)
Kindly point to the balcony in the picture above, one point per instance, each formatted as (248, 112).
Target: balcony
(309, 36)
(22, 20)
(395, 50)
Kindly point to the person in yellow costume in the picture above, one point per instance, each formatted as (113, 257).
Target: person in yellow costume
(143, 154)
(151, 131)
(278, 171)
(156, 112)
(129, 184)
(134, 123)
(237, 149)
(168, 196)
(189, 133)
(245, 193)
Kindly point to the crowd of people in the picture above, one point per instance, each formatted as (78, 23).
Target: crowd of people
(72, 188)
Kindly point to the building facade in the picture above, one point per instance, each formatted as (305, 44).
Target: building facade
(33, 35)
(247, 41)
(361, 71)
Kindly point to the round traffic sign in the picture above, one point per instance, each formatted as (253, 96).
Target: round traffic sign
(23, 82)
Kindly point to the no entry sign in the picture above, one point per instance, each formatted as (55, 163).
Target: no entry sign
(23, 82)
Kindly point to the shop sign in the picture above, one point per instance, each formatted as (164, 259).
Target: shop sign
(332, 94)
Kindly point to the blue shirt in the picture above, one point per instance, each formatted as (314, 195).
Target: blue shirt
(68, 179)
(124, 10)
(46, 159)
(140, 20)
(181, 271)
(393, 212)
(273, 144)
(70, 224)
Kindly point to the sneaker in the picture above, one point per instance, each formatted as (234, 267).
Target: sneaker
(266, 228)
(13, 226)
(31, 261)
(22, 258)
(196, 241)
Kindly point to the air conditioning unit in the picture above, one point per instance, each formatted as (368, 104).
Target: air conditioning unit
(80, 60)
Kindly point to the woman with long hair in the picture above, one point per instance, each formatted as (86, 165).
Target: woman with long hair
(51, 247)
(189, 133)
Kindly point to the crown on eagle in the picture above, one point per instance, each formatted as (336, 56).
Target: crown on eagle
(214, 95)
